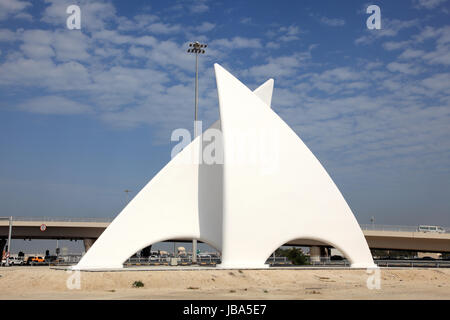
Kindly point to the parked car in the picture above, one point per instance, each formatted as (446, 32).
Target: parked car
(16, 261)
(13, 261)
(431, 229)
(32, 260)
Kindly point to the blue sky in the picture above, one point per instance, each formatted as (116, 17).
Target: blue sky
(86, 114)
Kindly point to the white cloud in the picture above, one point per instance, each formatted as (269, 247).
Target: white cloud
(190, 6)
(273, 45)
(44, 73)
(289, 33)
(277, 67)
(54, 105)
(441, 34)
(428, 4)
(237, 43)
(439, 56)
(441, 52)
(246, 20)
(63, 44)
(390, 28)
(24, 16)
(163, 28)
(438, 83)
(411, 54)
(37, 44)
(71, 46)
(198, 6)
(284, 34)
(406, 68)
(7, 35)
(112, 36)
(334, 22)
(341, 74)
(395, 45)
(12, 7)
(205, 27)
(138, 22)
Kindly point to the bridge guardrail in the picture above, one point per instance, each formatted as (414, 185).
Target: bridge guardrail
(413, 263)
(378, 227)
(110, 219)
(62, 219)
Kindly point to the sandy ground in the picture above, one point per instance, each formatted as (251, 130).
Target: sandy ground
(46, 283)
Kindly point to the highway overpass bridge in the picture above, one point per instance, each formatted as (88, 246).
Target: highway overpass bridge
(89, 229)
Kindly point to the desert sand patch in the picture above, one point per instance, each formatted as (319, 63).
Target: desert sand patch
(46, 283)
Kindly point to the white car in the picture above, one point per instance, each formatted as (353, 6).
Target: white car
(431, 229)
(13, 261)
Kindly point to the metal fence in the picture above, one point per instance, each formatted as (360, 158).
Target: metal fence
(63, 219)
(379, 227)
(324, 262)
(278, 260)
(166, 260)
(414, 263)
(211, 260)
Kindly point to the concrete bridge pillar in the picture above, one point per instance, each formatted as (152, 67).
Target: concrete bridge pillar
(314, 254)
(88, 242)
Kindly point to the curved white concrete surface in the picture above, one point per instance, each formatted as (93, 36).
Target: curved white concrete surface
(289, 197)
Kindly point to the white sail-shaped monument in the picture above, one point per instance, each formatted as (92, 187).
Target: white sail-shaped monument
(268, 189)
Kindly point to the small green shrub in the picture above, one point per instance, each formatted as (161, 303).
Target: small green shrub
(138, 284)
(295, 255)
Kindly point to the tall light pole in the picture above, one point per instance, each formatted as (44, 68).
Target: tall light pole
(197, 48)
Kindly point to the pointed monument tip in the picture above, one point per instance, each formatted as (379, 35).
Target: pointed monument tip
(217, 67)
(269, 82)
(220, 71)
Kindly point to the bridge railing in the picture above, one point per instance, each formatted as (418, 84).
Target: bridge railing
(110, 219)
(63, 219)
(379, 227)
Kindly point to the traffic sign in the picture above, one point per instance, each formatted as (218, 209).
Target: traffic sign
(43, 227)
